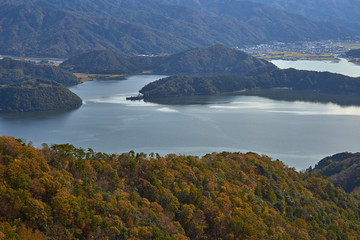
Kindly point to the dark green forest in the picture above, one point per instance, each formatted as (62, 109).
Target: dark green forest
(324, 82)
(64, 192)
(26, 87)
(14, 71)
(342, 169)
(37, 95)
(214, 60)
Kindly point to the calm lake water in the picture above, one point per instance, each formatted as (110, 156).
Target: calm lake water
(342, 66)
(298, 133)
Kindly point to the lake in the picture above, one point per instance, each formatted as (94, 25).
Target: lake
(342, 66)
(298, 133)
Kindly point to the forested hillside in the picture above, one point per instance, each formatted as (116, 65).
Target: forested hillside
(342, 169)
(30, 30)
(62, 192)
(37, 95)
(13, 71)
(182, 85)
(214, 60)
(101, 61)
(285, 20)
(64, 28)
(337, 11)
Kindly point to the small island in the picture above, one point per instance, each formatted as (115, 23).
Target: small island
(37, 95)
(27, 87)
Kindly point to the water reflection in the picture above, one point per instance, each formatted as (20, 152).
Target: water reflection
(36, 116)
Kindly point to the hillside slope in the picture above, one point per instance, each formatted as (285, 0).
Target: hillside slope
(337, 11)
(214, 60)
(64, 28)
(37, 31)
(13, 71)
(62, 192)
(279, 23)
(292, 79)
(37, 95)
(342, 169)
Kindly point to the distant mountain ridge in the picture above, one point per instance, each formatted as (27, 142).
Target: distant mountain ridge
(38, 31)
(345, 12)
(336, 11)
(64, 28)
(273, 22)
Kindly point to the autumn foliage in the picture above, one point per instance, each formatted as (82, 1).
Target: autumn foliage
(63, 192)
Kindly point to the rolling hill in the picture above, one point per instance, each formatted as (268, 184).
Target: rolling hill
(214, 60)
(323, 82)
(13, 71)
(37, 95)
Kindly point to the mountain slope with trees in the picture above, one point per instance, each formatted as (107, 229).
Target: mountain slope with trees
(62, 192)
(337, 11)
(28, 87)
(13, 71)
(274, 22)
(64, 28)
(343, 169)
(101, 61)
(213, 60)
(37, 31)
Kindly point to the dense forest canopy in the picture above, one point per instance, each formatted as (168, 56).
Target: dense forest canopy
(37, 95)
(343, 169)
(25, 87)
(14, 71)
(182, 85)
(63, 192)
